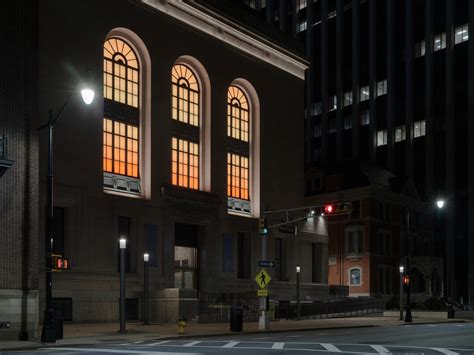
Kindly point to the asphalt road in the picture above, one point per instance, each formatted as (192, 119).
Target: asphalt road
(451, 339)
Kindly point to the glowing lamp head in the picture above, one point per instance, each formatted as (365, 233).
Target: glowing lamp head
(146, 257)
(440, 203)
(123, 243)
(87, 95)
(402, 268)
(328, 209)
(298, 269)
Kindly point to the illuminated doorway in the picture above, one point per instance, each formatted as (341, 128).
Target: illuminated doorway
(186, 256)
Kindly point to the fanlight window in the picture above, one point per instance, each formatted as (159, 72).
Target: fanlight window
(237, 114)
(185, 99)
(120, 72)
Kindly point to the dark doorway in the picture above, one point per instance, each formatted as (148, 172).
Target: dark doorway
(186, 256)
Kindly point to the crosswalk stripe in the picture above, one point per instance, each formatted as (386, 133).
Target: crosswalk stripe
(331, 347)
(380, 349)
(230, 344)
(445, 351)
(192, 343)
(159, 343)
(278, 345)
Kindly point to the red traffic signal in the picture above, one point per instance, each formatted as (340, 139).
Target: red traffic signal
(406, 280)
(338, 208)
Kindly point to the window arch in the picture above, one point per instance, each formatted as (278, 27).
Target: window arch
(124, 116)
(185, 141)
(243, 149)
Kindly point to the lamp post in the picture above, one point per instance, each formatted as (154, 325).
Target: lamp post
(401, 268)
(48, 332)
(146, 258)
(298, 308)
(408, 317)
(123, 246)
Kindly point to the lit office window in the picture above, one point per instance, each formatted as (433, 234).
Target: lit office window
(347, 122)
(237, 114)
(348, 98)
(317, 108)
(301, 4)
(332, 14)
(400, 134)
(332, 104)
(365, 118)
(364, 93)
(184, 163)
(237, 176)
(120, 148)
(461, 34)
(120, 72)
(439, 42)
(382, 88)
(420, 49)
(382, 138)
(419, 129)
(302, 26)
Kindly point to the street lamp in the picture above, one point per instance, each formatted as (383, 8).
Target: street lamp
(408, 317)
(146, 258)
(440, 203)
(401, 268)
(123, 246)
(48, 333)
(298, 308)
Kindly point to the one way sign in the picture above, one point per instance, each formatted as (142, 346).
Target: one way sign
(266, 263)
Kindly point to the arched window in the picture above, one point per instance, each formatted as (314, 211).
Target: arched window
(238, 153)
(121, 129)
(185, 112)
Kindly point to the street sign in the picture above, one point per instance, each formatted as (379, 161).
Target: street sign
(262, 293)
(266, 263)
(262, 278)
(288, 229)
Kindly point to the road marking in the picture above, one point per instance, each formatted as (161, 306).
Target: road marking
(278, 346)
(380, 349)
(445, 351)
(230, 344)
(293, 336)
(192, 343)
(331, 347)
(138, 342)
(117, 351)
(159, 343)
(460, 325)
(431, 325)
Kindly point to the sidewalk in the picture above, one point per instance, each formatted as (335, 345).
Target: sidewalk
(102, 333)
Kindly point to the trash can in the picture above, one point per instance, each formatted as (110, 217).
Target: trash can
(236, 319)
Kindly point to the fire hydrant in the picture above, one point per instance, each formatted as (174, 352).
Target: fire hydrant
(181, 325)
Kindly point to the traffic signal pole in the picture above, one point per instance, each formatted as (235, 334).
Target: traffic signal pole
(263, 322)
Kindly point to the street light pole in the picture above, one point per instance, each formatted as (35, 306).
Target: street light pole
(401, 291)
(48, 332)
(145, 289)
(408, 317)
(123, 245)
(298, 306)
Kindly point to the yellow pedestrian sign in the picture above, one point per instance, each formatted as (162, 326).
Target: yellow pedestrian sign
(262, 293)
(262, 278)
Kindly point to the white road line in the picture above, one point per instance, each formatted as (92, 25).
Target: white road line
(431, 325)
(159, 343)
(230, 344)
(138, 342)
(445, 351)
(331, 347)
(293, 336)
(380, 349)
(117, 351)
(278, 346)
(187, 345)
(460, 325)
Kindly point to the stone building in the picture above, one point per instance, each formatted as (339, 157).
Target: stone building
(196, 128)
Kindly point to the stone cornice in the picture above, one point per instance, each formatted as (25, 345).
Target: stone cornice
(231, 33)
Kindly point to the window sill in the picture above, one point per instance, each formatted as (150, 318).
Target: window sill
(122, 193)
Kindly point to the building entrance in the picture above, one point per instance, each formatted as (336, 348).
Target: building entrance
(186, 256)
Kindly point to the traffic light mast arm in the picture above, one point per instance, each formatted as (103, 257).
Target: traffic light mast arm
(288, 222)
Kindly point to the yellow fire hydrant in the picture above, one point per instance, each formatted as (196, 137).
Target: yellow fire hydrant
(181, 325)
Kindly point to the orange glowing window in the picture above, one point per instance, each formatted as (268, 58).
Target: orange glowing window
(237, 176)
(237, 114)
(185, 95)
(120, 148)
(184, 163)
(120, 72)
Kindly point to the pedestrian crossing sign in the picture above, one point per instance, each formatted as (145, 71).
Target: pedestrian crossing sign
(262, 278)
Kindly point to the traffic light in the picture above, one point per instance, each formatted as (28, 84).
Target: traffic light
(263, 226)
(60, 263)
(338, 208)
(406, 280)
